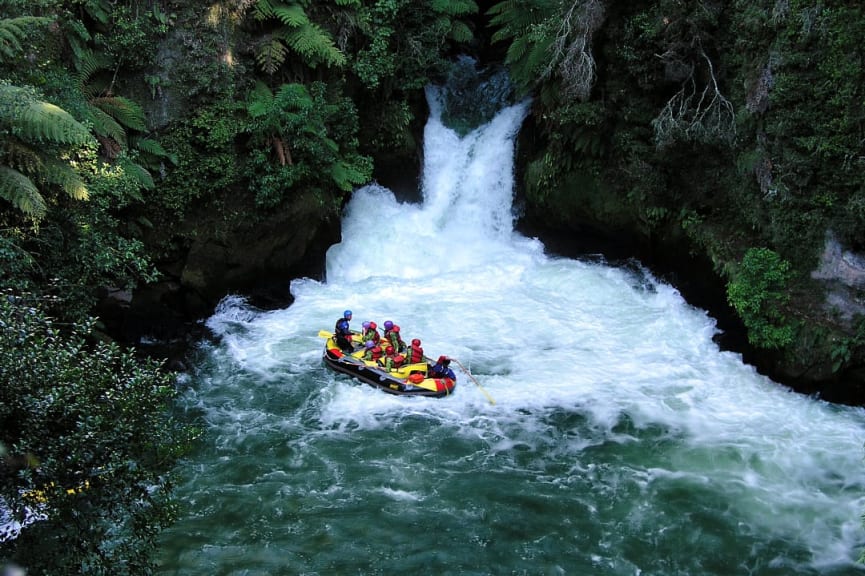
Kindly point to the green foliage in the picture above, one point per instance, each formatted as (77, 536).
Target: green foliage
(757, 290)
(529, 28)
(14, 31)
(37, 140)
(207, 161)
(403, 44)
(129, 34)
(302, 138)
(89, 433)
(849, 350)
(81, 246)
(295, 32)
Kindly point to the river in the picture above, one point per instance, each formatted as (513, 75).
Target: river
(601, 430)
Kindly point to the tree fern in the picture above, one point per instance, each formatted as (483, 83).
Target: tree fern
(292, 16)
(460, 32)
(61, 173)
(314, 44)
(128, 113)
(297, 33)
(20, 156)
(138, 173)
(35, 120)
(294, 96)
(153, 150)
(32, 135)
(19, 190)
(528, 26)
(270, 54)
(262, 10)
(87, 65)
(346, 176)
(107, 127)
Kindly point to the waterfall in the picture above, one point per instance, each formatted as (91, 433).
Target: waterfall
(621, 441)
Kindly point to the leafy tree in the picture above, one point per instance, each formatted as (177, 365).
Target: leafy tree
(302, 139)
(89, 437)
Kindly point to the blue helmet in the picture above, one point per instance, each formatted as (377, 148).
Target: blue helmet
(388, 325)
(346, 314)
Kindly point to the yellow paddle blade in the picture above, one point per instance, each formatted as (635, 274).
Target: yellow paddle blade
(324, 334)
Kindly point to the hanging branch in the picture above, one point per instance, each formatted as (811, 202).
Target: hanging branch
(572, 48)
(693, 114)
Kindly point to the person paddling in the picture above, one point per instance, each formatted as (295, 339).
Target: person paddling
(342, 332)
(441, 369)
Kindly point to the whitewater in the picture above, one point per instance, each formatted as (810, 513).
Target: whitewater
(614, 437)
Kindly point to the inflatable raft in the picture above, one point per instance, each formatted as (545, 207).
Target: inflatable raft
(407, 380)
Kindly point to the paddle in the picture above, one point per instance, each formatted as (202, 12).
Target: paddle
(326, 334)
(490, 398)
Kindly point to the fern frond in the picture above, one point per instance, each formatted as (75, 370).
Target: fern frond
(454, 7)
(99, 10)
(263, 10)
(127, 112)
(346, 175)
(18, 155)
(292, 16)
(355, 3)
(19, 190)
(138, 173)
(62, 174)
(314, 44)
(77, 35)
(517, 50)
(260, 100)
(506, 7)
(10, 40)
(154, 148)
(88, 63)
(270, 55)
(460, 32)
(539, 55)
(105, 125)
(37, 120)
(294, 97)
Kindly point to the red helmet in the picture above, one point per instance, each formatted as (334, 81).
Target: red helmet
(415, 342)
(395, 328)
(376, 351)
(373, 326)
(389, 350)
(442, 359)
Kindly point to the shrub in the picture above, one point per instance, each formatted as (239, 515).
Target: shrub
(758, 293)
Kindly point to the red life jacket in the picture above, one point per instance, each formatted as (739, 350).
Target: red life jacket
(415, 354)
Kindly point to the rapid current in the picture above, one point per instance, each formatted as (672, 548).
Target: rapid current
(601, 432)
